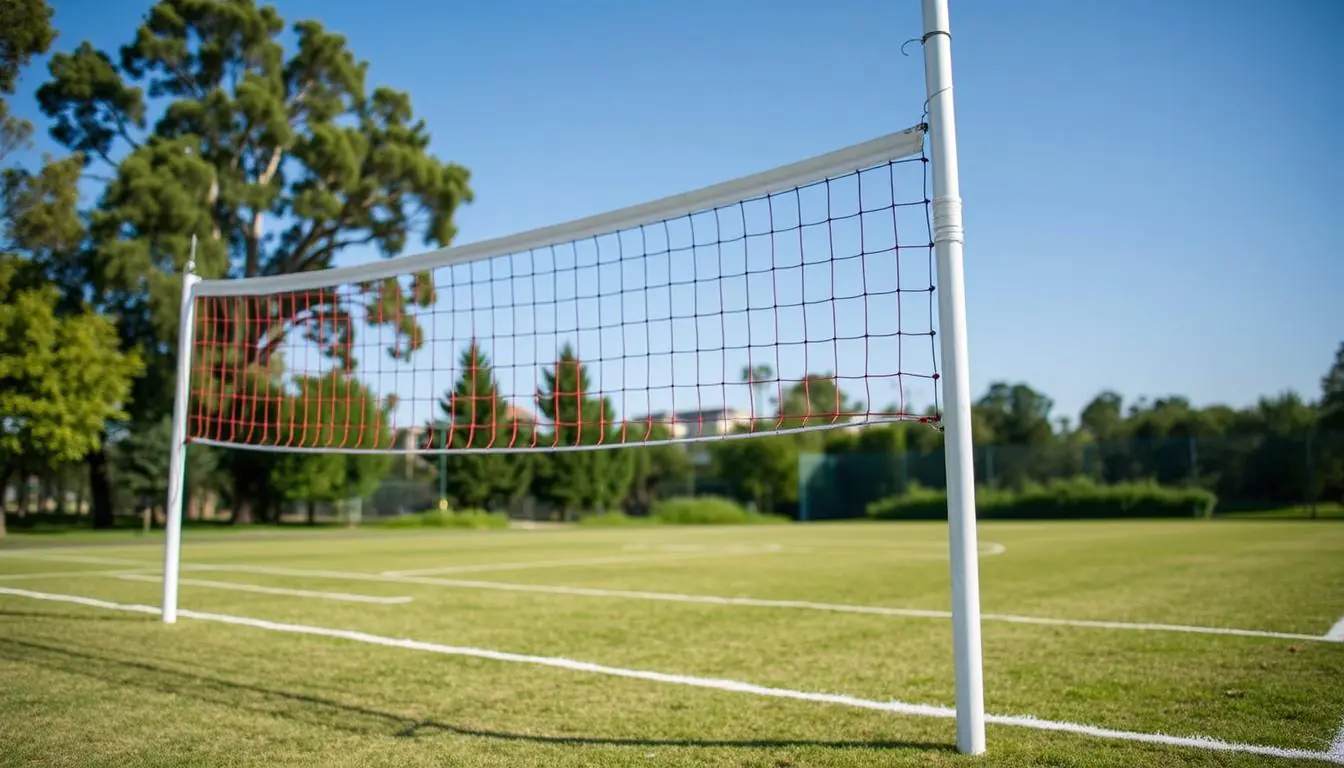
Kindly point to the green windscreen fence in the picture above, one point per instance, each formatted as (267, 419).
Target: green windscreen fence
(1246, 472)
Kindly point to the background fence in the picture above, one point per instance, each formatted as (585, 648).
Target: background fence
(1246, 472)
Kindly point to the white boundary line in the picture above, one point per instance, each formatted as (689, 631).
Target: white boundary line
(1337, 631)
(315, 594)
(1336, 748)
(603, 560)
(734, 686)
(63, 574)
(61, 557)
(752, 601)
(714, 599)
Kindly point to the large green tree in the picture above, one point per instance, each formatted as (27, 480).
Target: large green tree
(762, 469)
(61, 374)
(659, 469)
(62, 377)
(586, 479)
(139, 461)
(277, 159)
(815, 401)
(25, 32)
(478, 417)
(1328, 446)
(1332, 394)
(331, 411)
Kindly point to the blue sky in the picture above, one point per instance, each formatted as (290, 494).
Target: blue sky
(1149, 186)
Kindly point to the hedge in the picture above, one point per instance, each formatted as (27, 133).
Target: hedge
(687, 510)
(1076, 499)
(465, 518)
(707, 510)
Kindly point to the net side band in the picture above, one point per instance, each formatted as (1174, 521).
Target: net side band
(893, 146)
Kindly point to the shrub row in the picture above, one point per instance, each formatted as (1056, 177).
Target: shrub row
(466, 518)
(688, 510)
(1075, 499)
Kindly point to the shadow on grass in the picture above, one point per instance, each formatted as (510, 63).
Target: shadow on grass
(354, 718)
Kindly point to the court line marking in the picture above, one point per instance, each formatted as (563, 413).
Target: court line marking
(1337, 631)
(721, 684)
(752, 601)
(61, 557)
(576, 561)
(314, 594)
(915, 549)
(62, 574)
(724, 600)
(1336, 748)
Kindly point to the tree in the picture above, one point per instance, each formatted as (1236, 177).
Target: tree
(476, 416)
(817, 400)
(335, 410)
(61, 378)
(1332, 394)
(757, 377)
(1329, 442)
(656, 467)
(763, 470)
(277, 160)
(585, 479)
(1104, 417)
(140, 461)
(25, 32)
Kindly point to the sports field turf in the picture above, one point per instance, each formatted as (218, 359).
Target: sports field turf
(636, 647)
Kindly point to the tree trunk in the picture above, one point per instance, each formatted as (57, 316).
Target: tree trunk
(242, 511)
(4, 486)
(99, 485)
(22, 507)
(312, 512)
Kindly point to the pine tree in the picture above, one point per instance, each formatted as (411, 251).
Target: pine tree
(582, 480)
(480, 418)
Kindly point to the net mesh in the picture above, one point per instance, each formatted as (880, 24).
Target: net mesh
(807, 308)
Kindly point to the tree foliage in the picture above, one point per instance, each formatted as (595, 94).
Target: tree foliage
(140, 463)
(276, 159)
(62, 377)
(656, 468)
(816, 400)
(330, 411)
(25, 32)
(475, 415)
(580, 480)
(763, 469)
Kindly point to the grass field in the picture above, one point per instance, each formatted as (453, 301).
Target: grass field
(769, 646)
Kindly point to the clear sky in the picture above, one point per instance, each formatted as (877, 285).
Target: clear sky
(1152, 189)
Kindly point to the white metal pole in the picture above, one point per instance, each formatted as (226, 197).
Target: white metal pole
(177, 462)
(947, 238)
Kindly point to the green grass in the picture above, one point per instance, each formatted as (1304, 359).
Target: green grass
(93, 687)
